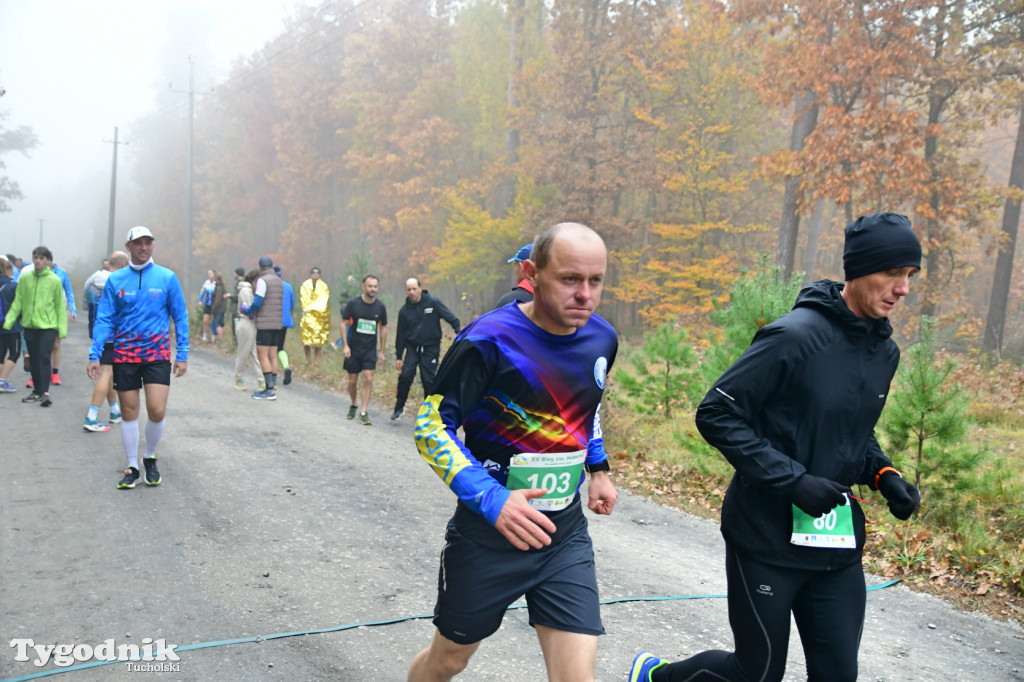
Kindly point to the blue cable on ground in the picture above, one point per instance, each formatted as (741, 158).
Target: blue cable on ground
(348, 626)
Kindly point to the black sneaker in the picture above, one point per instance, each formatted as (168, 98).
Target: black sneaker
(45, 402)
(152, 473)
(351, 411)
(288, 376)
(364, 419)
(131, 477)
(35, 397)
(397, 413)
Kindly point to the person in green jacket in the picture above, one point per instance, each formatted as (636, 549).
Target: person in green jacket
(39, 301)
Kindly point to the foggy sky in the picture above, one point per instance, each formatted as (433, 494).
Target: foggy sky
(73, 71)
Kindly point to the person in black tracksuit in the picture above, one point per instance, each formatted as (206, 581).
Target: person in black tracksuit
(795, 416)
(419, 340)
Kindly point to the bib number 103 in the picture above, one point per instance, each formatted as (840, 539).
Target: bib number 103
(557, 473)
(554, 483)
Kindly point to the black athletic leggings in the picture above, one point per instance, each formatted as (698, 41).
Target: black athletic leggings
(39, 346)
(828, 607)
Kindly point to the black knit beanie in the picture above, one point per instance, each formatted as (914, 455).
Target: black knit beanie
(880, 241)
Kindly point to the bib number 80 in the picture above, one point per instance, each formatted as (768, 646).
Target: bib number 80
(553, 484)
(826, 521)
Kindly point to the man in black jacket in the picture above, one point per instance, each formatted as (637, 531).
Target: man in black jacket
(795, 415)
(419, 333)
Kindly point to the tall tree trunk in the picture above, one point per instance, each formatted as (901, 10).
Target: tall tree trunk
(804, 121)
(1004, 261)
(507, 193)
(811, 250)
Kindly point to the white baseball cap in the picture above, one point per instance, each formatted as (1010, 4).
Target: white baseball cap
(138, 232)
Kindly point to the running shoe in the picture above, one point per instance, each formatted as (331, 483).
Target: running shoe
(268, 394)
(239, 386)
(30, 384)
(643, 665)
(32, 398)
(364, 419)
(351, 412)
(6, 387)
(115, 418)
(397, 413)
(55, 379)
(131, 477)
(95, 425)
(288, 376)
(45, 402)
(152, 474)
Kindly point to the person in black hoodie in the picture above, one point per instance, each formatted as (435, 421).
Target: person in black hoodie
(795, 416)
(419, 339)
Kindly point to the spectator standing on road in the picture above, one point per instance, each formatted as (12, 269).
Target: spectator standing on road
(266, 310)
(206, 301)
(104, 386)
(69, 298)
(418, 340)
(16, 264)
(232, 298)
(315, 323)
(40, 301)
(523, 291)
(795, 415)
(525, 385)
(287, 322)
(218, 306)
(246, 335)
(10, 340)
(93, 288)
(136, 309)
(364, 321)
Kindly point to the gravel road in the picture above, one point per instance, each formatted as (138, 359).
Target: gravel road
(285, 517)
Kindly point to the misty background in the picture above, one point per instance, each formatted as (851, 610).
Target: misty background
(73, 72)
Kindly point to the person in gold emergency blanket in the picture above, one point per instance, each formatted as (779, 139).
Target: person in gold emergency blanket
(315, 324)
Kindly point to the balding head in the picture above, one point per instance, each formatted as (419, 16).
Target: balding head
(118, 260)
(567, 270)
(574, 233)
(413, 290)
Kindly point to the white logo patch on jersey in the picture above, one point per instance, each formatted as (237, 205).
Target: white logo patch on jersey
(601, 371)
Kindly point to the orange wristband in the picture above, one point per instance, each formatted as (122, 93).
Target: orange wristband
(882, 471)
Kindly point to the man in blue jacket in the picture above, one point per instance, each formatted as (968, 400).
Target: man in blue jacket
(795, 415)
(136, 308)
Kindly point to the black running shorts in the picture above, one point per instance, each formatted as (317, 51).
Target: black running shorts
(130, 376)
(482, 574)
(361, 360)
(267, 337)
(107, 356)
(10, 346)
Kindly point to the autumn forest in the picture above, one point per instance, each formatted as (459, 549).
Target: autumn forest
(435, 137)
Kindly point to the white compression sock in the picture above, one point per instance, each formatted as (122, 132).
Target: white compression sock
(154, 430)
(130, 439)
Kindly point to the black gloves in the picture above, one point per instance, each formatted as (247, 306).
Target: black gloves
(902, 496)
(817, 496)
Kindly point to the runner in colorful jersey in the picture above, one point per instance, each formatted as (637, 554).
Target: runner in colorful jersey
(135, 310)
(525, 384)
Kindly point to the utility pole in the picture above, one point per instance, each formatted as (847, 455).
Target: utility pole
(187, 279)
(113, 194)
(41, 221)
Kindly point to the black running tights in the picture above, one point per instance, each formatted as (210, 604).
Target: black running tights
(828, 607)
